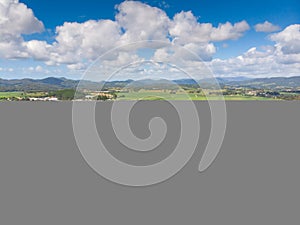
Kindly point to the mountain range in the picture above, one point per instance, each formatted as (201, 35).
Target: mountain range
(54, 83)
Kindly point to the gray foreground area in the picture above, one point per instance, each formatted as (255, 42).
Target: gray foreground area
(254, 180)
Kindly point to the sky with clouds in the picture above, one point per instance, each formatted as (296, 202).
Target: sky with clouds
(236, 38)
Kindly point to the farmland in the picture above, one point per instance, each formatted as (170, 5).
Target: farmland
(10, 94)
(18, 95)
(164, 95)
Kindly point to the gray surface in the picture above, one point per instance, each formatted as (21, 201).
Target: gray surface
(254, 180)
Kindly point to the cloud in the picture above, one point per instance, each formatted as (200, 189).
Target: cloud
(39, 69)
(188, 52)
(85, 40)
(12, 47)
(16, 19)
(38, 50)
(282, 59)
(76, 66)
(7, 69)
(228, 31)
(288, 40)
(142, 22)
(266, 27)
(186, 29)
(77, 44)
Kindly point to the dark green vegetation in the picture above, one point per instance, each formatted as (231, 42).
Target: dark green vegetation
(67, 94)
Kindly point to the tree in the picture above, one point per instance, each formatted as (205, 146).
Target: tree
(102, 98)
(113, 94)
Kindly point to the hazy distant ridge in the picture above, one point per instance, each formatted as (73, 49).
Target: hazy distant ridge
(53, 83)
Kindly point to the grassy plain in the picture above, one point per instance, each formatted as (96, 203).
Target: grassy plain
(18, 94)
(160, 95)
(150, 95)
(10, 94)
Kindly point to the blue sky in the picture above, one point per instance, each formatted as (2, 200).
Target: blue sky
(54, 13)
(42, 29)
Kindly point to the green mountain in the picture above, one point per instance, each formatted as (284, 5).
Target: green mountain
(53, 83)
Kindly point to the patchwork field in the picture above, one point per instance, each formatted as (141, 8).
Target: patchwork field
(10, 94)
(160, 95)
(150, 95)
(18, 94)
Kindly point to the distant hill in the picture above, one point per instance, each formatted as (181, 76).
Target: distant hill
(232, 79)
(50, 83)
(269, 83)
(53, 83)
(47, 84)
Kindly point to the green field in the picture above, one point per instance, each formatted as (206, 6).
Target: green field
(10, 94)
(156, 95)
(20, 94)
(148, 95)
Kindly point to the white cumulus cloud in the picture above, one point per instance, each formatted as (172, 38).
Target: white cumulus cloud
(16, 19)
(77, 44)
(186, 28)
(282, 59)
(266, 27)
(288, 40)
(142, 22)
